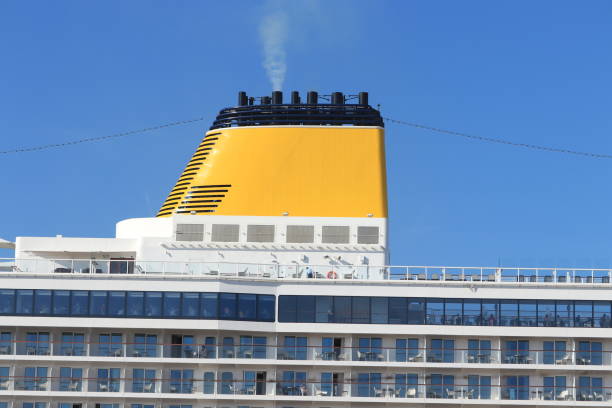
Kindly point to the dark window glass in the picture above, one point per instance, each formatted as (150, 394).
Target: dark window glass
(116, 304)
(342, 309)
(435, 311)
(601, 313)
(453, 311)
(546, 313)
(7, 301)
(24, 301)
(61, 302)
(472, 312)
(325, 311)
(265, 308)
(379, 310)
(583, 313)
(42, 302)
(305, 309)
(227, 303)
(79, 303)
(247, 306)
(527, 313)
(287, 309)
(361, 309)
(135, 304)
(209, 305)
(190, 305)
(153, 305)
(565, 313)
(490, 312)
(398, 310)
(97, 303)
(509, 313)
(172, 304)
(416, 311)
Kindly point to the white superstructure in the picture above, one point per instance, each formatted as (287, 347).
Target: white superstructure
(196, 309)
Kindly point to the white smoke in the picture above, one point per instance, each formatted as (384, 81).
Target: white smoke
(273, 33)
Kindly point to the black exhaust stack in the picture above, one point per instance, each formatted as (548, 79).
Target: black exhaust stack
(242, 98)
(277, 98)
(337, 98)
(295, 97)
(363, 98)
(313, 98)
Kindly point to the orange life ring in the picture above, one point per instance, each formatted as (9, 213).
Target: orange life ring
(332, 275)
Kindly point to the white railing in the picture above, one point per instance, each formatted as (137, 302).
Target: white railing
(308, 271)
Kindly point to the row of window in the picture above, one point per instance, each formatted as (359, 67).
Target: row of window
(295, 234)
(132, 304)
(437, 311)
(364, 384)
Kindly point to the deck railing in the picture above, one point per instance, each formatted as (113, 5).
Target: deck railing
(444, 274)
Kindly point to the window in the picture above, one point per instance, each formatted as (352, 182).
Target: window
(209, 382)
(35, 379)
(361, 309)
(295, 348)
(227, 303)
(73, 344)
(555, 353)
(226, 385)
(228, 349)
(42, 302)
(6, 343)
(61, 302)
(260, 233)
(300, 234)
(110, 345)
(516, 388)
(4, 378)
(143, 380)
(440, 386)
(370, 349)
(379, 310)
(116, 304)
(435, 311)
(209, 305)
(589, 389)
(252, 347)
(554, 387)
(7, 301)
(342, 309)
(153, 304)
(293, 383)
(407, 350)
(441, 351)
(24, 301)
(479, 387)
(190, 305)
(135, 304)
(517, 352)
(189, 232)
(369, 384)
(247, 306)
(182, 346)
(589, 353)
(406, 385)
(37, 343)
(333, 234)
(225, 233)
(108, 379)
(145, 345)
(479, 351)
(209, 348)
(367, 235)
(98, 303)
(70, 379)
(79, 303)
(265, 308)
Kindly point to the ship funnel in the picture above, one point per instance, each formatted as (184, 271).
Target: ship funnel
(363, 98)
(313, 98)
(337, 98)
(277, 98)
(265, 100)
(242, 98)
(295, 97)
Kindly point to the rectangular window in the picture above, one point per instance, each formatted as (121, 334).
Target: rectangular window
(398, 310)
(305, 309)
(342, 309)
(7, 301)
(334, 234)
(190, 305)
(325, 311)
(98, 303)
(379, 310)
(209, 305)
(300, 234)
(42, 302)
(79, 303)
(225, 233)
(367, 235)
(172, 304)
(265, 308)
(135, 304)
(189, 232)
(287, 311)
(73, 344)
(247, 306)
(227, 309)
(25, 298)
(260, 233)
(361, 309)
(153, 304)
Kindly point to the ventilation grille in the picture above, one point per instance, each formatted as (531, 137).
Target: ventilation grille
(181, 200)
(333, 234)
(260, 233)
(367, 235)
(189, 232)
(225, 233)
(300, 234)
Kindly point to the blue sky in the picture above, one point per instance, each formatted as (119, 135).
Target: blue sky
(531, 72)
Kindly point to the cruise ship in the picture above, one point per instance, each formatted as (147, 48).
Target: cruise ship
(265, 281)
